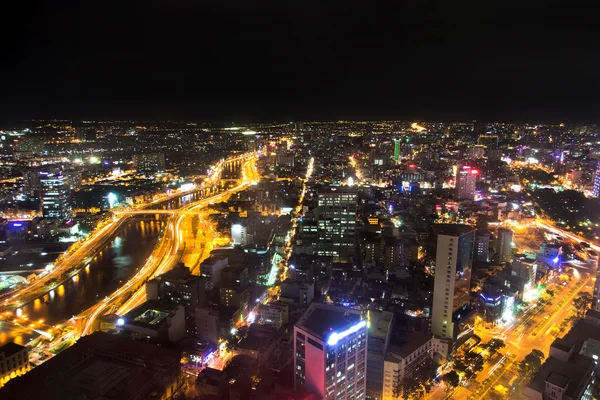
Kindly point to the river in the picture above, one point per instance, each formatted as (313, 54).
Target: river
(115, 263)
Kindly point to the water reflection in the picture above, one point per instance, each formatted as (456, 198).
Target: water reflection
(116, 262)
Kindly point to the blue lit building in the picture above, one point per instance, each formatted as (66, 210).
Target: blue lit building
(330, 352)
(55, 191)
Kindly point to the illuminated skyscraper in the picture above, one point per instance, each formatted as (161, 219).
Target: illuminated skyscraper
(466, 177)
(452, 285)
(54, 194)
(504, 245)
(330, 352)
(336, 216)
(596, 300)
(396, 150)
(596, 189)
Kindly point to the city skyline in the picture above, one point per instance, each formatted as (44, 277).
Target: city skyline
(349, 200)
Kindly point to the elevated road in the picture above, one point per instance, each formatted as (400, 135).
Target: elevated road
(80, 253)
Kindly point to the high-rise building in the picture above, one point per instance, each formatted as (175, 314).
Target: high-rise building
(14, 361)
(240, 235)
(525, 268)
(476, 152)
(482, 245)
(380, 329)
(336, 216)
(149, 162)
(211, 269)
(504, 245)
(330, 352)
(596, 300)
(466, 177)
(54, 194)
(177, 286)
(596, 190)
(489, 141)
(452, 285)
(31, 182)
(396, 150)
(404, 360)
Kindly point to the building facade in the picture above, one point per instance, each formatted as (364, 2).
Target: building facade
(14, 362)
(504, 245)
(466, 177)
(54, 194)
(330, 352)
(452, 284)
(336, 216)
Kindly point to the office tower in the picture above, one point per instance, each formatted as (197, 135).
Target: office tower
(14, 361)
(284, 159)
(466, 177)
(452, 284)
(482, 245)
(54, 194)
(330, 352)
(380, 329)
(475, 152)
(239, 235)
(396, 150)
(211, 269)
(488, 141)
(177, 286)
(504, 245)
(149, 162)
(526, 268)
(336, 217)
(596, 300)
(404, 360)
(596, 190)
(31, 182)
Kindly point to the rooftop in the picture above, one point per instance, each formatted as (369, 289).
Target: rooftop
(407, 345)
(320, 319)
(562, 344)
(453, 229)
(149, 314)
(576, 371)
(581, 332)
(558, 379)
(100, 365)
(11, 348)
(380, 323)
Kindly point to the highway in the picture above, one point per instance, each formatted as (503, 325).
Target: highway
(165, 256)
(173, 245)
(80, 253)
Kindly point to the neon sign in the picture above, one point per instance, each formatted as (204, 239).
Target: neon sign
(336, 337)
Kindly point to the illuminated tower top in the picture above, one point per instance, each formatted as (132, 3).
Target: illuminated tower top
(330, 352)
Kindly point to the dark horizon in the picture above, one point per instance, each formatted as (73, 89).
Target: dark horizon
(241, 62)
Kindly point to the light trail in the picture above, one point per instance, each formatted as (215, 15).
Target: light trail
(167, 261)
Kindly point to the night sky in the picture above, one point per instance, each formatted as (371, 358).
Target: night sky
(239, 61)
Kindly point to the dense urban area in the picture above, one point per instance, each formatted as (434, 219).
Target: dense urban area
(300, 260)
